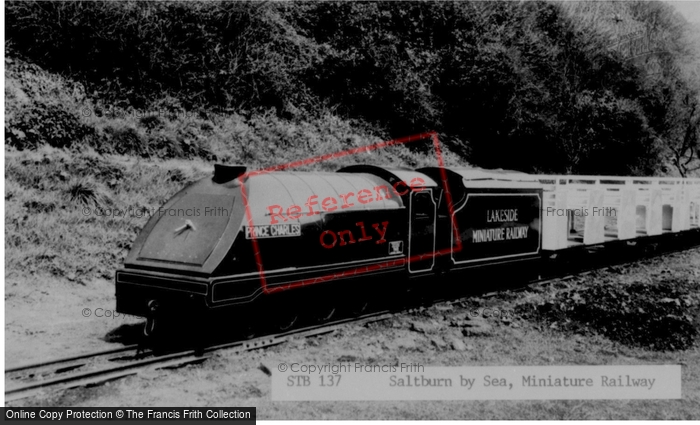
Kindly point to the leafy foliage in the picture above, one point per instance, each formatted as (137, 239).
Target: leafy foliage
(531, 86)
(49, 124)
(228, 54)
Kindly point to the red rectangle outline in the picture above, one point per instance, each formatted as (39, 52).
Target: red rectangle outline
(432, 135)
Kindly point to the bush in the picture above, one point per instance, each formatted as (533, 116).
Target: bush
(515, 85)
(659, 316)
(224, 54)
(40, 123)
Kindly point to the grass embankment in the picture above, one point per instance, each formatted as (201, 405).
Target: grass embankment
(135, 162)
(81, 157)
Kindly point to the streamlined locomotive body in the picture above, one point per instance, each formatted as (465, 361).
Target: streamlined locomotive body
(237, 240)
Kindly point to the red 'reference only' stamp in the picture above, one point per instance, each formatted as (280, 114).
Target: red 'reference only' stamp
(277, 211)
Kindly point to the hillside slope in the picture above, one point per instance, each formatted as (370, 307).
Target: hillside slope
(503, 82)
(81, 158)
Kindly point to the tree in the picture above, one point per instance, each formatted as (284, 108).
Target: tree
(685, 147)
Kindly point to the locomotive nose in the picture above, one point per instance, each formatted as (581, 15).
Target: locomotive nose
(188, 230)
(168, 268)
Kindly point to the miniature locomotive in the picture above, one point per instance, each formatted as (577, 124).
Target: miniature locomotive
(274, 241)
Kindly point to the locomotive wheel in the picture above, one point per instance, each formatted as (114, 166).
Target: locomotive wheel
(286, 322)
(323, 314)
(318, 305)
(285, 318)
(415, 296)
(242, 323)
(247, 331)
(358, 306)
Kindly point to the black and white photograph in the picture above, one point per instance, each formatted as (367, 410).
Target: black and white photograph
(351, 210)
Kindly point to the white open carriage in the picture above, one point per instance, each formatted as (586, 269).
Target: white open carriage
(615, 208)
(590, 210)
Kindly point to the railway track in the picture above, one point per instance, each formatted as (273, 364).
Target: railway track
(102, 366)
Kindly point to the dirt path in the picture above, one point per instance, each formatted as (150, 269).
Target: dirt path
(433, 337)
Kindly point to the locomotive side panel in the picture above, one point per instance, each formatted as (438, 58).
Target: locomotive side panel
(140, 293)
(327, 250)
(307, 229)
(495, 226)
(491, 216)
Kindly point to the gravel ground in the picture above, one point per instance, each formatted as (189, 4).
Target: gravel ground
(442, 335)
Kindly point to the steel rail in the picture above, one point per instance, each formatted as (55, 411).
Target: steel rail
(179, 358)
(193, 356)
(70, 359)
